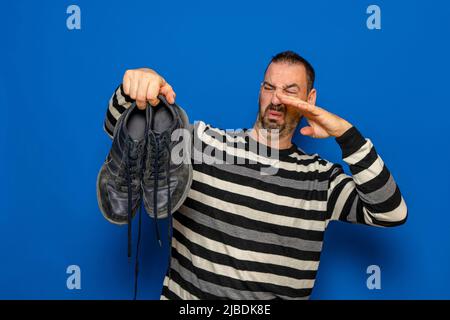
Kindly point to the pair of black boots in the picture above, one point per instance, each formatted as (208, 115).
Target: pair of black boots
(140, 166)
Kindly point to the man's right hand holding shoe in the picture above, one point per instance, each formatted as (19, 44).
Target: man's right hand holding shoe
(144, 85)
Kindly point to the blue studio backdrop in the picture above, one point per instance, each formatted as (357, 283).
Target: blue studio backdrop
(57, 77)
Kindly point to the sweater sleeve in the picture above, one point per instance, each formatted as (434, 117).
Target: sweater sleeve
(117, 105)
(370, 196)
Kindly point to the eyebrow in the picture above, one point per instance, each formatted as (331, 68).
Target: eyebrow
(286, 87)
(269, 84)
(291, 86)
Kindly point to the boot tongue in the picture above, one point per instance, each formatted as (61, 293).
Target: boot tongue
(163, 144)
(134, 151)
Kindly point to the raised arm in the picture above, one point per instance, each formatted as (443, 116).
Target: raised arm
(370, 196)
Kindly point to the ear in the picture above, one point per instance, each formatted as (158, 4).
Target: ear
(312, 97)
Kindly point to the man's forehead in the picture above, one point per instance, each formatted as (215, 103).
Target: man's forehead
(285, 74)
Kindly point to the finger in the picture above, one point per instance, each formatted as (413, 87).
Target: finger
(141, 104)
(152, 93)
(167, 91)
(154, 102)
(307, 131)
(133, 89)
(141, 93)
(126, 85)
(298, 103)
(303, 106)
(162, 82)
(289, 99)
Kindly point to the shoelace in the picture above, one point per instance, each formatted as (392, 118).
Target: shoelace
(169, 203)
(157, 168)
(130, 174)
(158, 159)
(139, 149)
(136, 262)
(157, 164)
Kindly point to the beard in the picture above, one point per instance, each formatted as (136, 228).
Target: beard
(284, 126)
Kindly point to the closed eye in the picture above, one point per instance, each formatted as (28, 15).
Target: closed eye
(290, 91)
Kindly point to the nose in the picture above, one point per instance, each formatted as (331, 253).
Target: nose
(275, 100)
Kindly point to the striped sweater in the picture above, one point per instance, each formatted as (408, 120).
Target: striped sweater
(244, 235)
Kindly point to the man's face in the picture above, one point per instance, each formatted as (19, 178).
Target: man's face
(286, 78)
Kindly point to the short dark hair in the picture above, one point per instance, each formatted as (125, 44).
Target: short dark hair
(294, 58)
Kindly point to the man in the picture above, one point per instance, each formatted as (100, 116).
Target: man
(244, 235)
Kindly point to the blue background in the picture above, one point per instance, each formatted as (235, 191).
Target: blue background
(54, 88)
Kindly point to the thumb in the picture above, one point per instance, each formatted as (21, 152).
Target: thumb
(307, 131)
